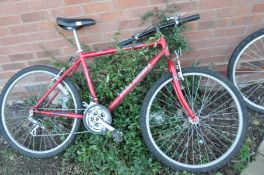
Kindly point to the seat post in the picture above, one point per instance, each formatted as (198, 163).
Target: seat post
(77, 40)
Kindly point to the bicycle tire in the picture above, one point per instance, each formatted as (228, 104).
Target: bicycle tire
(19, 93)
(156, 110)
(245, 70)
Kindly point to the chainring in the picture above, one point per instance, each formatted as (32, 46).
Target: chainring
(90, 122)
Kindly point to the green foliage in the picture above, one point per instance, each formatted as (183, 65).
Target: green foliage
(244, 156)
(99, 154)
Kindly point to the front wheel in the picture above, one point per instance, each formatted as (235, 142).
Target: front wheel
(182, 145)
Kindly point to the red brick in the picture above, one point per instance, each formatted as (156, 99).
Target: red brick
(74, 1)
(114, 16)
(253, 28)
(187, 7)
(34, 16)
(230, 31)
(21, 7)
(136, 13)
(199, 35)
(4, 32)
(47, 25)
(50, 35)
(6, 9)
(24, 28)
(208, 15)
(87, 39)
(247, 20)
(42, 61)
(45, 4)
(128, 24)
(70, 11)
(216, 42)
(54, 44)
(13, 40)
(21, 57)
(97, 7)
(211, 4)
(13, 66)
(9, 20)
(129, 4)
(103, 27)
(69, 51)
(48, 53)
(104, 45)
(234, 11)
(27, 47)
(213, 24)
(6, 50)
(258, 8)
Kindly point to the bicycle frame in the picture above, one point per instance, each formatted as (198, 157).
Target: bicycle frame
(89, 55)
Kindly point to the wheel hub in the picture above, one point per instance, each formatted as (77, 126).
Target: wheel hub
(194, 121)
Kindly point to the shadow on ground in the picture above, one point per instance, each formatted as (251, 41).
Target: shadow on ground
(12, 163)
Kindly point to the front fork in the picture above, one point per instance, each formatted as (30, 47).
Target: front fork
(176, 77)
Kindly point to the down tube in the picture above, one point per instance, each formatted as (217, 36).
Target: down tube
(134, 82)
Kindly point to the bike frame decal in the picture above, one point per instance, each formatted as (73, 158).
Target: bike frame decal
(86, 55)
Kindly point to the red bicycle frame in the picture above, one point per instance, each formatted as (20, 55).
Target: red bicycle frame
(88, 55)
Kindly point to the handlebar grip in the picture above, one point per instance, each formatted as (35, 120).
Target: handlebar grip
(189, 19)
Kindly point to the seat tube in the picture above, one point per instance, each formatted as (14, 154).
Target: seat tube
(88, 78)
(77, 41)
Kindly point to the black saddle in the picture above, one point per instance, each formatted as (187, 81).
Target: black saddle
(69, 24)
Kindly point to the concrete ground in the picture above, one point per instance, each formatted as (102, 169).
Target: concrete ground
(257, 166)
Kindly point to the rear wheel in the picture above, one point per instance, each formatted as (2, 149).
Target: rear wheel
(52, 134)
(175, 140)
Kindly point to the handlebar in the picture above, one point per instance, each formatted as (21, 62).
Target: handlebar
(189, 19)
(177, 21)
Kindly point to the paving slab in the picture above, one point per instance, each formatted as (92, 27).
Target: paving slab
(257, 166)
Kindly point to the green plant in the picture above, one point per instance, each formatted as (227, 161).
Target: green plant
(244, 156)
(99, 154)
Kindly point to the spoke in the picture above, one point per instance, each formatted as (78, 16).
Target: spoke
(185, 126)
(210, 97)
(205, 143)
(211, 143)
(173, 114)
(176, 101)
(152, 126)
(218, 131)
(211, 133)
(197, 86)
(180, 145)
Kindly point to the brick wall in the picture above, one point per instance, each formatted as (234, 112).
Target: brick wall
(28, 35)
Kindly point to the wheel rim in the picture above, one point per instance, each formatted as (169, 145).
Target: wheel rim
(248, 73)
(15, 110)
(200, 138)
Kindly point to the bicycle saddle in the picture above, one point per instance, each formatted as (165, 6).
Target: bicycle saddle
(69, 24)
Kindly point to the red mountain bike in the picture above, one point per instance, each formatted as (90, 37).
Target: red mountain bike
(191, 119)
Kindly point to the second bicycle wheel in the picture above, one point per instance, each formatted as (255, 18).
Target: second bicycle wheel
(246, 70)
(175, 140)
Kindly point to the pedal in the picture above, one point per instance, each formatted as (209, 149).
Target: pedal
(117, 136)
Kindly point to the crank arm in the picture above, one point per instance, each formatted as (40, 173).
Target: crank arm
(117, 135)
(102, 122)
